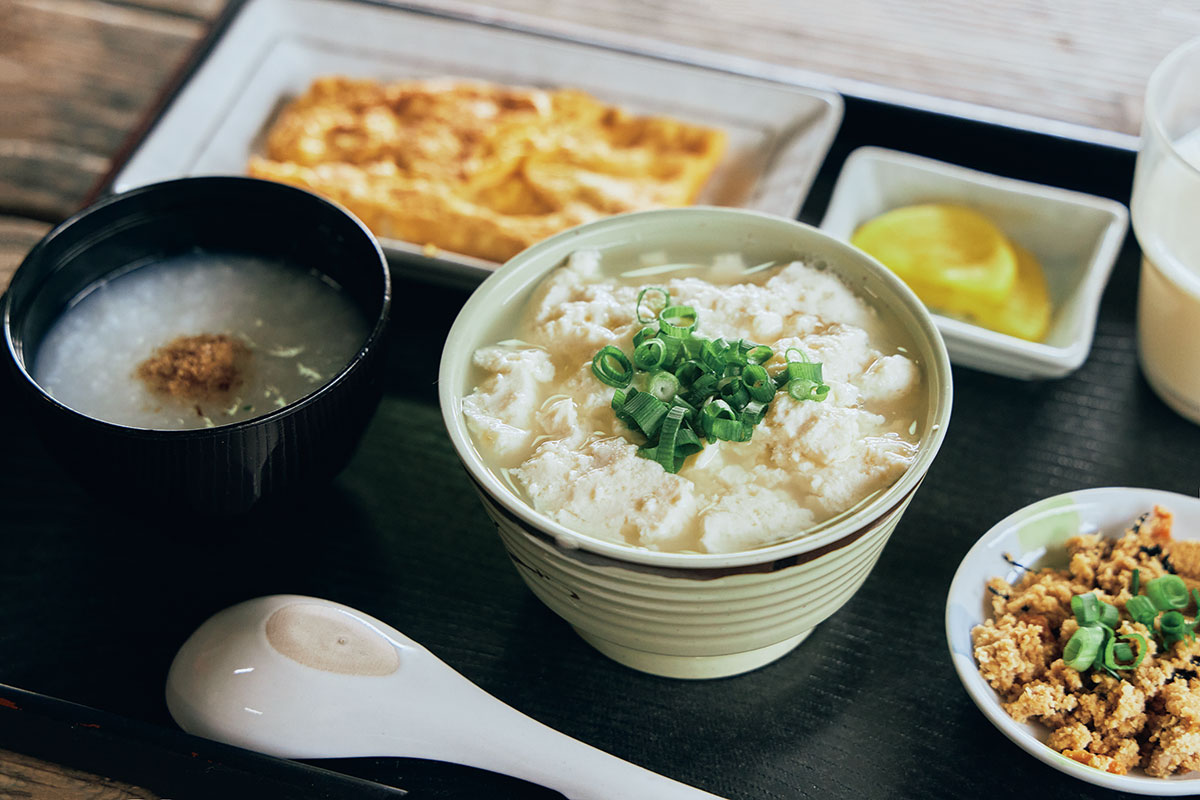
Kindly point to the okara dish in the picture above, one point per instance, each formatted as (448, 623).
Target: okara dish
(793, 403)
(481, 169)
(695, 614)
(1117, 683)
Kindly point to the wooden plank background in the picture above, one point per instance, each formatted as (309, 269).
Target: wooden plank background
(77, 75)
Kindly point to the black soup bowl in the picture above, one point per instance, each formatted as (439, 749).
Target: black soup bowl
(227, 469)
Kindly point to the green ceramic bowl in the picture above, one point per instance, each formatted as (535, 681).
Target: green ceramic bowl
(694, 615)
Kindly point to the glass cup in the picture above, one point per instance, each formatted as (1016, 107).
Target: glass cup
(1166, 219)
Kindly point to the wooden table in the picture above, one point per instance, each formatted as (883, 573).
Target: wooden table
(77, 76)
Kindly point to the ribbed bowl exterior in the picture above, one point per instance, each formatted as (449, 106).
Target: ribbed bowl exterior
(691, 613)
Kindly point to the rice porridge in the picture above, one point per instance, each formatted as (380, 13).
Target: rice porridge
(199, 340)
(542, 419)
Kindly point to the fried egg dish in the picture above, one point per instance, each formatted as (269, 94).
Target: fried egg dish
(481, 169)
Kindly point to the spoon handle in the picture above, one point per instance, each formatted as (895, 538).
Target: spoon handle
(506, 741)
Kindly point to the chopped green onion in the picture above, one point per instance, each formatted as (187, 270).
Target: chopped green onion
(1135, 584)
(689, 372)
(687, 443)
(689, 410)
(802, 389)
(1082, 648)
(1109, 615)
(663, 385)
(706, 384)
(650, 354)
(758, 383)
(647, 411)
(675, 352)
(1172, 626)
(754, 412)
(665, 450)
(1107, 635)
(731, 430)
(644, 334)
(1167, 592)
(710, 389)
(677, 321)
(1140, 609)
(734, 392)
(637, 309)
(713, 411)
(1086, 608)
(611, 366)
(759, 354)
(712, 355)
(1118, 655)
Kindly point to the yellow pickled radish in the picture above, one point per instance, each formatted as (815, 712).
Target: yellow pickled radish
(951, 256)
(1025, 313)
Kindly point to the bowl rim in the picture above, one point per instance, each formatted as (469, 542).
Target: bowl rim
(529, 267)
(982, 694)
(237, 183)
(971, 344)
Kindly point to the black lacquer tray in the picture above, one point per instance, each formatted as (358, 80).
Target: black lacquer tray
(94, 601)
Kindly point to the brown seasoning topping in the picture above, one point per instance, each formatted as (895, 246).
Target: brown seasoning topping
(196, 368)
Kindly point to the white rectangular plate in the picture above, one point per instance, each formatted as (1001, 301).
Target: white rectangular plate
(778, 132)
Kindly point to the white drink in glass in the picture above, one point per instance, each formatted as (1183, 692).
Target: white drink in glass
(1166, 218)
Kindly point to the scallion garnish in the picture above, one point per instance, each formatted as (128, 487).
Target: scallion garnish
(663, 385)
(1140, 609)
(1082, 648)
(650, 354)
(677, 321)
(695, 388)
(666, 442)
(1158, 610)
(612, 366)
(1173, 627)
(637, 310)
(1167, 592)
(646, 411)
(1118, 655)
(1086, 608)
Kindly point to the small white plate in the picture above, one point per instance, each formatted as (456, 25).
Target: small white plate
(1075, 236)
(778, 133)
(1035, 537)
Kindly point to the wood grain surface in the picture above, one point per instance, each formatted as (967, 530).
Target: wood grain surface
(76, 76)
(31, 779)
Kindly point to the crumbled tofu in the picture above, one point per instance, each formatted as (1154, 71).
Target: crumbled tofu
(604, 487)
(540, 411)
(1148, 717)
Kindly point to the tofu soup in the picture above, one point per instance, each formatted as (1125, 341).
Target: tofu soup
(696, 407)
(197, 341)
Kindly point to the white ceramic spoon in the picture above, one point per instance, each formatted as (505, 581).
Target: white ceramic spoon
(300, 677)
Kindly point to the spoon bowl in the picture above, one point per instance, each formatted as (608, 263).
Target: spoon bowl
(300, 677)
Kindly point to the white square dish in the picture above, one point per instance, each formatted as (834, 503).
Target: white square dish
(778, 133)
(1075, 236)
